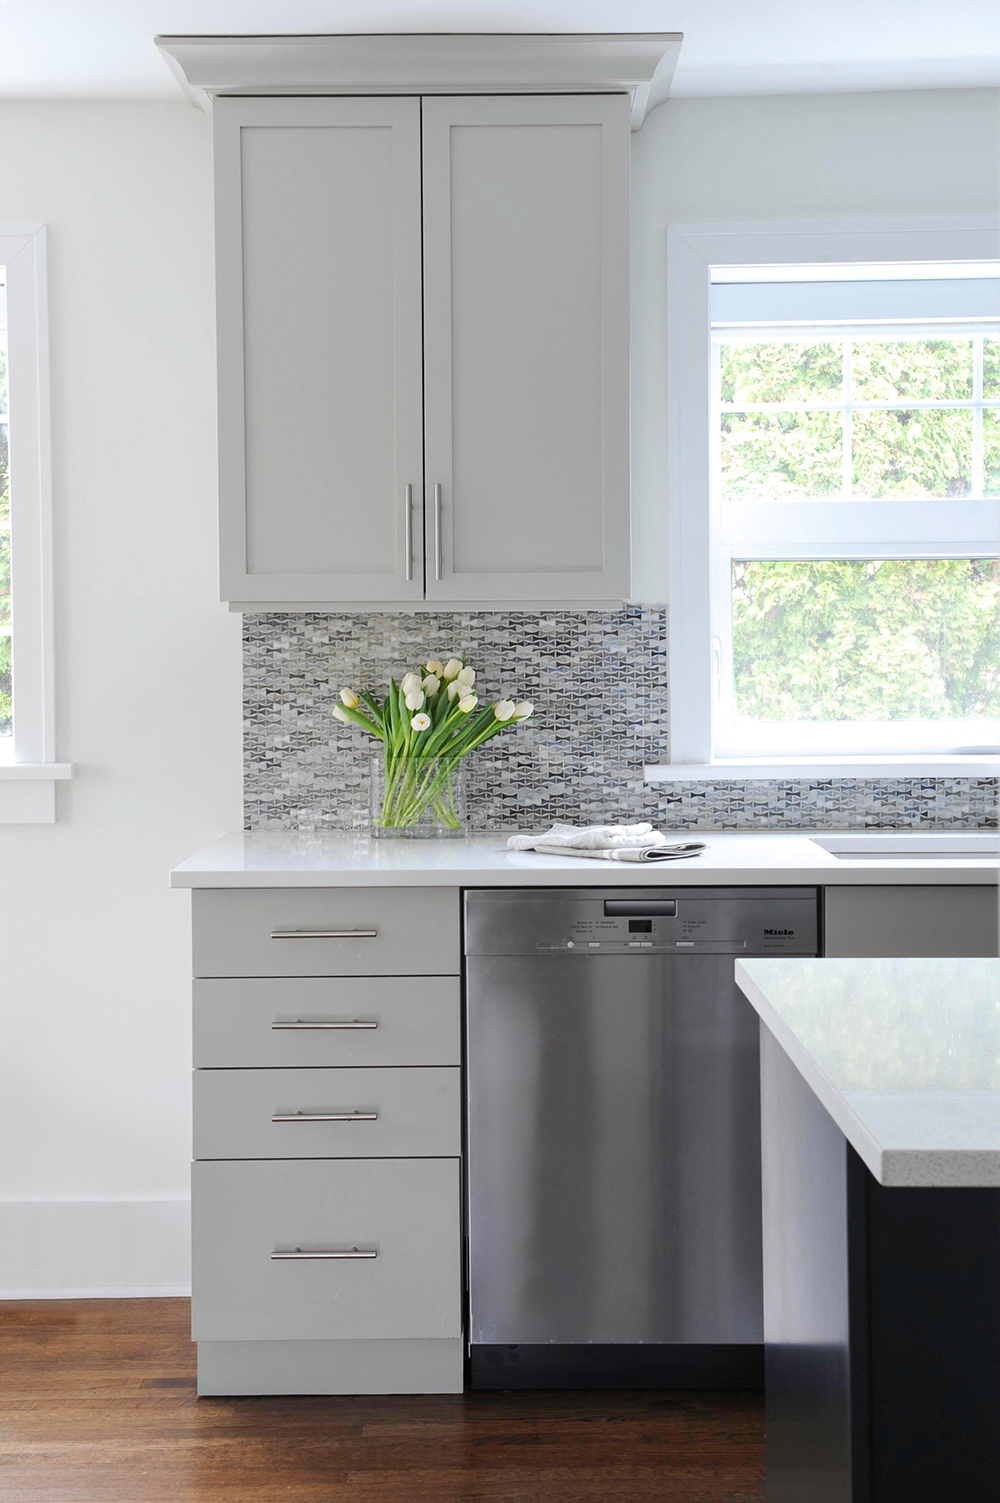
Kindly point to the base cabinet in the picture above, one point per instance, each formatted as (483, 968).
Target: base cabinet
(910, 921)
(326, 1190)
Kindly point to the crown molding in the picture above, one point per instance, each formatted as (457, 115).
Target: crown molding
(638, 63)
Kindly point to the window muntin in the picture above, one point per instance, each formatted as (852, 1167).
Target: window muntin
(901, 415)
(855, 597)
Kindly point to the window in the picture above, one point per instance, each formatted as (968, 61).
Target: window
(853, 477)
(6, 705)
(28, 769)
(852, 540)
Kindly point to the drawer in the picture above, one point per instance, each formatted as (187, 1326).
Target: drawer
(404, 1211)
(364, 1020)
(328, 931)
(341, 1114)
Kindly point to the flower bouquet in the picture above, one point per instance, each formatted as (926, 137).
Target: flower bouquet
(427, 724)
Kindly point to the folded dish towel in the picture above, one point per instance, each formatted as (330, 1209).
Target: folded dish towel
(638, 842)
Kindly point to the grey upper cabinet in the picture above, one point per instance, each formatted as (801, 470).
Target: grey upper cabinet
(526, 347)
(320, 421)
(423, 349)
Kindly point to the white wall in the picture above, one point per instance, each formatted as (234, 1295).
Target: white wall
(94, 962)
(94, 951)
(826, 156)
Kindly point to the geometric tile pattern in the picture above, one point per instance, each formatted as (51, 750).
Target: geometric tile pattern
(598, 680)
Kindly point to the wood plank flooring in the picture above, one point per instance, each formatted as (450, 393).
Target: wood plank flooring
(97, 1405)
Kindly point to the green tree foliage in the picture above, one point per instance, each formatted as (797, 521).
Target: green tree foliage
(785, 371)
(991, 451)
(781, 456)
(919, 453)
(911, 370)
(6, 716)
(6, 725)
(836, 639)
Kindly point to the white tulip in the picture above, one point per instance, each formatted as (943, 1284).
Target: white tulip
(455, 688)
(349, 698)
(523, 709)
(467, 703)
(420, 722)
(415, 699)
(467, 676)
(503, 710)
(452, 669)
(339, 714)
(409, 682)
(433, 666)
(431, 684)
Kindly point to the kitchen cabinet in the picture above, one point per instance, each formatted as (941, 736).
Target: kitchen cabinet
(910, 921)
(423, 350)
(326, 1187)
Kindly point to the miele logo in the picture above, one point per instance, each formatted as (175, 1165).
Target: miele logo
(779, 931)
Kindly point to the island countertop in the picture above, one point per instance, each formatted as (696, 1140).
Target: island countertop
(903, 1054)
(280, 858)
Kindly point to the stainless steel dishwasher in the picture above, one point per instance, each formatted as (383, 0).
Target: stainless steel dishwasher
(614, 1216)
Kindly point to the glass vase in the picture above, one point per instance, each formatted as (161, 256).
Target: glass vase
(417, 798)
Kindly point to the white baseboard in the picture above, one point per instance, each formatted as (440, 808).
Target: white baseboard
(95, 1249)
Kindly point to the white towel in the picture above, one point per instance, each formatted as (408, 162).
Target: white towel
(636, 842)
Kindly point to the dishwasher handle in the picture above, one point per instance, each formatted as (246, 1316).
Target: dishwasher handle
(640, 907)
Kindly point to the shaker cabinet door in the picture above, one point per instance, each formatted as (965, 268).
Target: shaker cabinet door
(526, 380)
(319, 295)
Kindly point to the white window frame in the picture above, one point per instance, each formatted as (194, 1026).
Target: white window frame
(29, 770)
(693, 251)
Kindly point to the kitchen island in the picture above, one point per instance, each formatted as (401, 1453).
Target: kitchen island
(880, 1111)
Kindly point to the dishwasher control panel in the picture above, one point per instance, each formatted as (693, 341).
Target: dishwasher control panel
(708, 921)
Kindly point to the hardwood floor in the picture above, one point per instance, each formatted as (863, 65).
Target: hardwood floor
(97, 1405)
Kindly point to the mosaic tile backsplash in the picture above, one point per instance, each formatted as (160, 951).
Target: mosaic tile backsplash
(599, 683)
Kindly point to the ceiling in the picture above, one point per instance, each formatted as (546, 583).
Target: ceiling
(103, 49)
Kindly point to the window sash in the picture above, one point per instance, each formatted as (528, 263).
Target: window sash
(848, 527)
(847, 406)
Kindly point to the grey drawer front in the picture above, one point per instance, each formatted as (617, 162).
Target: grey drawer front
(418, 1021)
(406, 1210)
(416, 931)
(417, 1113)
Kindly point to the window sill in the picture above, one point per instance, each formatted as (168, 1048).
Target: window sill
(28, 791)
(728, 768)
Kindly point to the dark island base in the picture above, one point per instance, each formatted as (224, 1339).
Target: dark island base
(881, 1316)
(614, 1366)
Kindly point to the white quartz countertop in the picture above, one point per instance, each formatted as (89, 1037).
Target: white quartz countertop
(903, 1054)
(290, 859)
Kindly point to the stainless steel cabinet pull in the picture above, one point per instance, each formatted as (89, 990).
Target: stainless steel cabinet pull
(324, 934)
(409, 532)
(325, 1117)
(296, 1253)
(302, 1023)
(437, 532)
